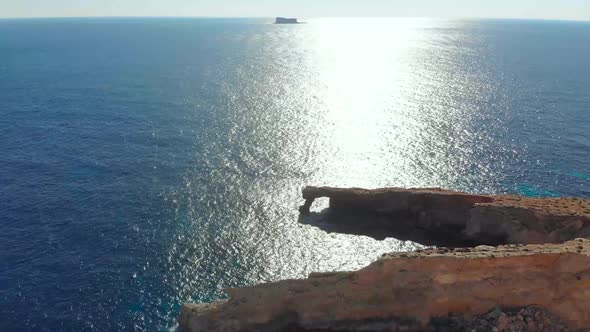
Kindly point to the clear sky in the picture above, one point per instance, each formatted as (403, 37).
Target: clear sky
(546, 9)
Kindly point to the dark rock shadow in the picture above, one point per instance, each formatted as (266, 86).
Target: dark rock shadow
(382, 226)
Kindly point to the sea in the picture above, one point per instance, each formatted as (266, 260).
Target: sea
(148, 162)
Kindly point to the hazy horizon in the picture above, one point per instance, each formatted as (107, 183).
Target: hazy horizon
(576, 10)
(300, 18)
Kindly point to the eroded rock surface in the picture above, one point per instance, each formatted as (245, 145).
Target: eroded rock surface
(512, 287)
(527, 319)
(433, 215)
(416, 291)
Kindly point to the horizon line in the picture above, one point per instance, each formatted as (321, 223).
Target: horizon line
(308, 17)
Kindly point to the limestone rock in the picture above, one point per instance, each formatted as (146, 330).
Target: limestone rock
(461, 218)
(414, 291)
(506, 288)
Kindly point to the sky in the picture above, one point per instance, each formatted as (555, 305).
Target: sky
(536, 9)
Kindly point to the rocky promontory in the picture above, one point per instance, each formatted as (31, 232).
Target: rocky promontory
(451, 217)
(530, 280)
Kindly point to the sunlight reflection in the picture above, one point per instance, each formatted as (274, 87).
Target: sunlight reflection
(365, 68)
(340, 102)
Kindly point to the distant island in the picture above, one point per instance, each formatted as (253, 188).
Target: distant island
(284, 20)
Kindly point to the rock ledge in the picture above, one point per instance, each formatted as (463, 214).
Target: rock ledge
(512, 287)
(434, 216)
(413, 290)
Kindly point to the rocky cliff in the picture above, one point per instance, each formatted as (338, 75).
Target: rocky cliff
(534, 287)
(462, 219)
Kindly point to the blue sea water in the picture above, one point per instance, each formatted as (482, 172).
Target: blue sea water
(149, 162)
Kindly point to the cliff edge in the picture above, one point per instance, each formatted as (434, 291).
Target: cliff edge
(455, 218)
(512, 287)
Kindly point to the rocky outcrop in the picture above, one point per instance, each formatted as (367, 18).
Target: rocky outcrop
(284, 20)
(433, 215)
(513, 287)
(417, 291)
